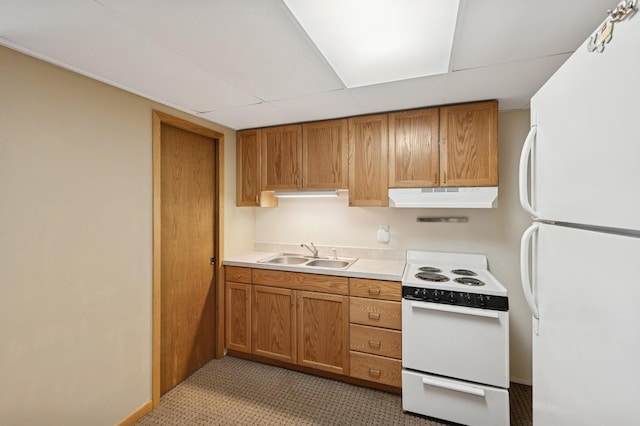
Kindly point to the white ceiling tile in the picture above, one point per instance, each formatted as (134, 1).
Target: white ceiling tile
(492, 32)
(257, 115)
(254, 45)
(318, 106)
(513, 83)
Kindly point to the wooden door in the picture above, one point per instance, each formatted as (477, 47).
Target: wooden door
(281, 158)
(323, 331)
(368, 168)
(414, 159)
(187, 244)
(273, 318)
(324, 155)
(238, 316)
(248, 168)
(469, 144)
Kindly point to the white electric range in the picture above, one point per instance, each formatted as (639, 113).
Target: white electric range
(455, 339)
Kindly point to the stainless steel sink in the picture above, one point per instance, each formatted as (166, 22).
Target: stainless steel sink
(300, 260)
(328, 263)
(286, 260)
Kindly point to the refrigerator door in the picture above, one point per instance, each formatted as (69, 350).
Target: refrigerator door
(585, 159)
(586, 368)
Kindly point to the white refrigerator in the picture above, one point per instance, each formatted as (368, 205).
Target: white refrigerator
(580, 259)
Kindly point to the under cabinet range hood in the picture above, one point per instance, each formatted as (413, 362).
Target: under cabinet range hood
(444, 198)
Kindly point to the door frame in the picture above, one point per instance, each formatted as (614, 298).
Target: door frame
(160, 118)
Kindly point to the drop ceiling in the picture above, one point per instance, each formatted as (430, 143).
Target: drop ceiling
(249, 63)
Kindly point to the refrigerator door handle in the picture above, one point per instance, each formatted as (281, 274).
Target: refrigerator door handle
(524, 172)
(525, 244)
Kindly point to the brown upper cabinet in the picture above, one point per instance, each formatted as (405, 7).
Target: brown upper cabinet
(307, 156)
(281, 158)
(324, 155)
(469, 144)
(414, 148)
(248, 168)
(368, 170)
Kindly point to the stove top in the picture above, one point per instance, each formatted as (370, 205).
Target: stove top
(460, 272)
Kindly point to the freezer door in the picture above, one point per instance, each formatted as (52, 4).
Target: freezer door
(586, 368)
(585, 165)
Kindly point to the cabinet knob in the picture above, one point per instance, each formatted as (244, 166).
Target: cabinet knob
(374, 291)
(374, 373)
(374, 344)
(374, 315)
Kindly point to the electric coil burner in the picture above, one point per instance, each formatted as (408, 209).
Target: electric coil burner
(464, 272)
(430, 276)
(469, 281)
(429, 269)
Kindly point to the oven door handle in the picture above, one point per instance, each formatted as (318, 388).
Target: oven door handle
(455, 309)
(453, 386)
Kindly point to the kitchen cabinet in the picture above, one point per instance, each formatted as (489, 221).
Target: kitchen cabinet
(281, 157)
(273, 323)
(238, 309)
(323, 331)
(324, 155)
(469, 144)
(414, 143)
(368, 168)
(375, 331)
(248, 178)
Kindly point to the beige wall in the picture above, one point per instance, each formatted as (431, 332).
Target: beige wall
(495, 232)
(76, 245)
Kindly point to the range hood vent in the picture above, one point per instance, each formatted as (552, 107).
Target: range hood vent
(444, 198)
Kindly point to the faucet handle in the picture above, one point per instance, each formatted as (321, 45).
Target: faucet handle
(335, 253)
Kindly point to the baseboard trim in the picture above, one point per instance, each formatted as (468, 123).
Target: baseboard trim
(137, 415)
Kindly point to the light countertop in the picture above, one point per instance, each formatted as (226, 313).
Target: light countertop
(378, 269)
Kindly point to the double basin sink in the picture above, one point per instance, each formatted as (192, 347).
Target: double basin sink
(290, 259)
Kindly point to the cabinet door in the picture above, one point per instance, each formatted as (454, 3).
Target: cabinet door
(414, 159)
(469, 144)
(248, 168)
(238, 317)
(323, 331)
(274, 323)
(368, 168)
(324, 155)
(281, 161)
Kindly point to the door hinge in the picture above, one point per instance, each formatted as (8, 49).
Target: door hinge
(213, 260)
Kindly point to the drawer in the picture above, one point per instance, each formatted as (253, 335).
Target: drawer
(455, 401)
(377, 341)
(376, 369)
(301, 281)
(375, 289)
(377, 313)
(237, 274)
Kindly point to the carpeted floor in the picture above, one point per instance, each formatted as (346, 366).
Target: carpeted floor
(233, 391)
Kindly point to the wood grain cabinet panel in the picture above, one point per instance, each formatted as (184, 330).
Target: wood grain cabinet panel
(375, 340)
(414, 155)
(376, 368)
(368, 161)
(248, 168)
(238, 316)
(375, 289)
(274, 323)
(301, 281)
(323, 331)
(281, 158)
(237, 274)
(376, 313)
(469, 144)
(324, 155)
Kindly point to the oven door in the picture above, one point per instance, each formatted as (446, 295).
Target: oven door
(456, 341)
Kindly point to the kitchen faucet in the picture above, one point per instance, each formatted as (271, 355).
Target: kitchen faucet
(313, 250)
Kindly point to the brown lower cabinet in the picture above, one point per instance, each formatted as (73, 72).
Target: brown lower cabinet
(273, 314)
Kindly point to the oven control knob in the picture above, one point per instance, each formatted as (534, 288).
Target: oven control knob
(482, 300)
(416, 292)
(425, 294)
(468, 298)
(436, 295)
(452, 297)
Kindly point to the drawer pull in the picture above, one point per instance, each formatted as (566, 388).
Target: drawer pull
(453, 386)
(374, 291)
(374, 316)
(374, 373)
(374, 344)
